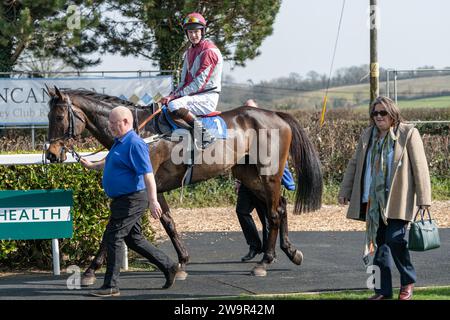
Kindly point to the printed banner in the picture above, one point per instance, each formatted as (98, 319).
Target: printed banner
(36, 214)
(25, 101)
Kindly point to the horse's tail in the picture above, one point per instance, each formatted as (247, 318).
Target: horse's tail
(306, 162)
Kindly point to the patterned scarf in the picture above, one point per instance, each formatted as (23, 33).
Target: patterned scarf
(378, 189)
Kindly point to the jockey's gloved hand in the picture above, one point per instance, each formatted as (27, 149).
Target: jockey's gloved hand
(167, 99)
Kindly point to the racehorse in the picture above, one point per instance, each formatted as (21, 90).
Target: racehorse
(72, 111)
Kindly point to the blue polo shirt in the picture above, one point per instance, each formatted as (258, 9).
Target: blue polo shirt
(125, 166)
(287, 180)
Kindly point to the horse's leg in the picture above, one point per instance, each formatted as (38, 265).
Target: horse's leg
(88, 277)
(270, 177)
(169, 226)
(267, 189)
(295, 255)
(272, 191)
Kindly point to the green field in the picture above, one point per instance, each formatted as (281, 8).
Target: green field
(358, 95)
(431, 293)
(436, 102)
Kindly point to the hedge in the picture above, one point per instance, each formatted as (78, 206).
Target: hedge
(91, 214)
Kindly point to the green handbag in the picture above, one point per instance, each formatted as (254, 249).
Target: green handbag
(423, 234)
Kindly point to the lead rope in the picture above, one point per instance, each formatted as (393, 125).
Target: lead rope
(139, 127)
(182, 186)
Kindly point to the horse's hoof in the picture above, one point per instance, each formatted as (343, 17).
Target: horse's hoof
(181, 275)
(298, 257)
(87, 281)
(259, 271)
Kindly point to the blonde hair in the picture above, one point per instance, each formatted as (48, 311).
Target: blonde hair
(391, 108)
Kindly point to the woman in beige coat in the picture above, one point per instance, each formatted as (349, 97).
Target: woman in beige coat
(385, 181)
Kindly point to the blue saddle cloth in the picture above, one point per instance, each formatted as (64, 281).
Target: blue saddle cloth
(215, 125)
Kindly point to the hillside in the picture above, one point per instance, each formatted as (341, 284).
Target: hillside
(429, 92)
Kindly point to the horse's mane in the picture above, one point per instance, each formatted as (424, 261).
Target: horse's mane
(104, 99)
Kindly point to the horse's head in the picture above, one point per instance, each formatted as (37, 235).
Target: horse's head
(66, 123)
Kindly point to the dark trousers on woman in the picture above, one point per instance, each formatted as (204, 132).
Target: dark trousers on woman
(391, 242)
(246, 202)
(125, 225)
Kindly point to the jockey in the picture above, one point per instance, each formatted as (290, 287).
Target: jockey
(200, 85)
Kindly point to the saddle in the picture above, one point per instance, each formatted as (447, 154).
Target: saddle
(164, 123)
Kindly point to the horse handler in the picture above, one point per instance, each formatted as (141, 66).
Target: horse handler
(128, 179)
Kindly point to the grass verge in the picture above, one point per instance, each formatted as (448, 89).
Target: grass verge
(425, 293)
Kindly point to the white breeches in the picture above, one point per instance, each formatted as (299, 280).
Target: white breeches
(198, 104)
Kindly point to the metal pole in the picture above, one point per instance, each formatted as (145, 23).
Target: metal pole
(55, 254)
(374, 66)
(395, 86)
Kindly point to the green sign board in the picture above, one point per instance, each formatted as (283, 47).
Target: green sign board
(36, 214)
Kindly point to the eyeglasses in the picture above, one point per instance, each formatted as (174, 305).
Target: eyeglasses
(382, 113)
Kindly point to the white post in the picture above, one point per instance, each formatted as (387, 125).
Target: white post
(125, 257)
(55, 253)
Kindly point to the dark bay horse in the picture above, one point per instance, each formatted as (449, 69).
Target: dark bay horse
(72, 111)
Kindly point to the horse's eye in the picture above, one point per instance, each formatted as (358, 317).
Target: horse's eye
(59, 118)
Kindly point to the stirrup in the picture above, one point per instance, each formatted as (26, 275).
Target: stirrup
(204, 143)
(207, 138)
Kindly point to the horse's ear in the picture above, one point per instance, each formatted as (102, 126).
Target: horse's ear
(59, 94)
(50, 92)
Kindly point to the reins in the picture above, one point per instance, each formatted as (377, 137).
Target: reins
(70, 134)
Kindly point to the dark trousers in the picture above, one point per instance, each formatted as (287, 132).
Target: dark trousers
(246, 202)
(125, 225)
(391, 242)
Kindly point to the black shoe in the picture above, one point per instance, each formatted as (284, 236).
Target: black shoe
(250, 255)
(170, 276)
(105, 292)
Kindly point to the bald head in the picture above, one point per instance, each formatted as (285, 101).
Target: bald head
(122, 113)
(120, 121)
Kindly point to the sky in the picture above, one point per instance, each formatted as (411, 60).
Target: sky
(412, 33)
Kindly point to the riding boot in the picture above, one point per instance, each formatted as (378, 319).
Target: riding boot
(197, 127)
(206, 137)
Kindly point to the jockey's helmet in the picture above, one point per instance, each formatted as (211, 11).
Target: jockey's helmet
(194, 21)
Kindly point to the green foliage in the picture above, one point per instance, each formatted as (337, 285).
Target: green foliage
(440, 188)
(147, 28)
(48, 29)
(336, 140)
(214, 192)
(238, 28)
(90, 213)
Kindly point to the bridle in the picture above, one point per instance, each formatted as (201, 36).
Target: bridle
(70, 133)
